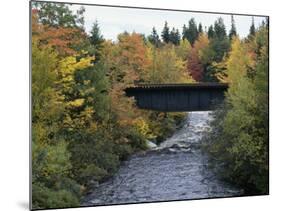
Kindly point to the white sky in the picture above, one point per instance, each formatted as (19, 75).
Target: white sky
(115, 20)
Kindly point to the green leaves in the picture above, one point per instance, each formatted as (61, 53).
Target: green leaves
(239, 139)
(93, 172)
(44, 197)
(57, 15)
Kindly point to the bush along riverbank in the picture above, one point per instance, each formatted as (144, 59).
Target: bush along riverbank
(162, 126)
(83, 125)
(174, 170)
(238, 142)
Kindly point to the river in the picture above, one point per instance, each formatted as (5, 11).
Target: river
(177, 169)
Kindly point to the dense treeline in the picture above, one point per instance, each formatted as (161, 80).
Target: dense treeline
(238, 142)
(205, 49)
(83, 125)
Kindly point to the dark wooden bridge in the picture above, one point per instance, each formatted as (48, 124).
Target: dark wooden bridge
(177, 97)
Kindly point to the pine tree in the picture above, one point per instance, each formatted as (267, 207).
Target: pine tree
(219, 28)
(244, 119)
(178, 36)
(154, 38)
(96, 40)
(174, 36)
(191, 33)
(211, 32)
(232, 31)
(184, 29)
(200, 28)
(166, 33)
(95, 35)
(220, 42)
(252, 28)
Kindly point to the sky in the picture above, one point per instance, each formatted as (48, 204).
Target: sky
(115, 20)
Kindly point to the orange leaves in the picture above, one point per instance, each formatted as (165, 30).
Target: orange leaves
(132, 53)
(36, 28)
(201, 44)
(195, 59)
(122, 106)
(128, 63)
(63, 39)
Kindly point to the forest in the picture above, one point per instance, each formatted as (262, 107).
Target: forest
(83, 125)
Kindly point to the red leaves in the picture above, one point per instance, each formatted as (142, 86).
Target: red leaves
(194, 66)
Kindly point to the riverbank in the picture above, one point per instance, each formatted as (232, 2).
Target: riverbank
(177, 169)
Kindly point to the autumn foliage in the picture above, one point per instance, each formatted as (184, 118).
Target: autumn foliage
(83, 124)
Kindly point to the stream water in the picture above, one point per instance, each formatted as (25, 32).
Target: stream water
(177, 169)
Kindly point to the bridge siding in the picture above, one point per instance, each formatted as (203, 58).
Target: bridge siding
(179, 98)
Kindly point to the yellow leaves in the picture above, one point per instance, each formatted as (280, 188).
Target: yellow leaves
(93, 127)
(184, 49)
(167, 66)
(83, 120)
(67, 65)
(238, 62)
(70, 64)
(201, 44)
(222, 75)
(88, 112)
(143, 128)
(86, 82)
(76, 103)
(241, 58)
(84, 63)
(67, 68)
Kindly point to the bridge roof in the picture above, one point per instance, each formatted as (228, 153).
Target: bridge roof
(179, 86)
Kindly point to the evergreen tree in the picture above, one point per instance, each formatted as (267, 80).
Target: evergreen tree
(252, 28)
(184, 29)
(96, 40)
(232, 31)
(267, 23)
(95, 35)
(219, 29)
(178, 37)
(243, 120)
(200, 28)
(211, 32)
(174, 36)
(220, 42)
(191, 33)
(166, 33)
(154, 38)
